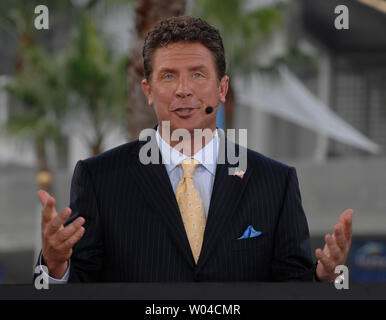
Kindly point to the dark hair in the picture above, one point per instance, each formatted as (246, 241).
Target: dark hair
(183, 29)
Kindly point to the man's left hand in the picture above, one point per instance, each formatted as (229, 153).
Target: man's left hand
(336, 248)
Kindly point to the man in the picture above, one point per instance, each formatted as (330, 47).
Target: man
(131, 221)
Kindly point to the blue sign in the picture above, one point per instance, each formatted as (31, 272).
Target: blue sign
(368, 261)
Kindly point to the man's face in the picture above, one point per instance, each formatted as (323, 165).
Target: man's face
(182, 84)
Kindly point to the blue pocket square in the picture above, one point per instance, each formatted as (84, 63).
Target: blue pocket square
(250, 233)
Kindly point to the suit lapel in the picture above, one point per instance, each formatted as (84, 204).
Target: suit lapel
(226, 194)
(154, 182)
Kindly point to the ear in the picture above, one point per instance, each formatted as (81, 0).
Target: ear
(147, 91)
(224, 83)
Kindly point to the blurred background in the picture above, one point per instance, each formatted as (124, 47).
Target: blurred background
(311, 95)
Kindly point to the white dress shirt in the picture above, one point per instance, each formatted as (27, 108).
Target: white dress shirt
(171, 158)
(203, 175)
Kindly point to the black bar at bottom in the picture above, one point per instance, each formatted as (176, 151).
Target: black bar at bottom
(196, 291)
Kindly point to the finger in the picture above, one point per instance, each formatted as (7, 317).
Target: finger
(346, 214)
(335, 251)
(347, 225)
(70, 242)
(49, 210)
(339, 237)
(327, 263)
(69, 230)
(43, 197)
(58, 221)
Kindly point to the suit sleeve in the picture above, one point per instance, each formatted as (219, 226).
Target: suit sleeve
(292, 249)
(88, 254)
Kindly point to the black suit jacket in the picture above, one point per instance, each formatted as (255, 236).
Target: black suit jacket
(134, 231)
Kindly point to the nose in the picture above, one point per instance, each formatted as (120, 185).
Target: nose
(183, 88)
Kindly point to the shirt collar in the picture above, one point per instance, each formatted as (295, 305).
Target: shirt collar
(207, 156)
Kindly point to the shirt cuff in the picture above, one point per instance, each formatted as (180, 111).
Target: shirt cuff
(53, 280)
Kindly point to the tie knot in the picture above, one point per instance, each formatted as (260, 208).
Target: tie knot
(188, 166)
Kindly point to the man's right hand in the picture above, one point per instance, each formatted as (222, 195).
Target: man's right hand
(58, 240)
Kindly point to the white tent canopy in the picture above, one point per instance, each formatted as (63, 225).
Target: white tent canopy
(288, 98)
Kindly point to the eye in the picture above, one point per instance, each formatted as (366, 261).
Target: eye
(168, 76)
(197, 75)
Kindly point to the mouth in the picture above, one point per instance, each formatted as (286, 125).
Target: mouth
(185, 112)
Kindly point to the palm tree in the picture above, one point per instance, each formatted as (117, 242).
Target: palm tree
(39, 105)
(18, 17)
(98, 80)
(44, 83)
(36, 87)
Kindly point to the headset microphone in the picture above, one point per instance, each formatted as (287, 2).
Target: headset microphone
(209, 110)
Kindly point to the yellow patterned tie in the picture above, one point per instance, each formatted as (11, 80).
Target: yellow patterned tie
(191, 207)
